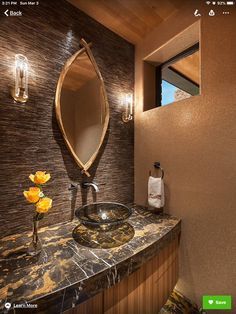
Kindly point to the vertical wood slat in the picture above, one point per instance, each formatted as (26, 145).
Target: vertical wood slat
(93, 305)
(148, 288)
(144, 291)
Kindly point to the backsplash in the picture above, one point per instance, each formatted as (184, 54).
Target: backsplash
(30, 137)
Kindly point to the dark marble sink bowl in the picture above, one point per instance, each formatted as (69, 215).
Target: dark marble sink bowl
(104, 215)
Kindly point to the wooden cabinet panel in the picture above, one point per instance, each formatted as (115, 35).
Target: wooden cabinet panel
(91, 306)
(146, 290)
(143, 292)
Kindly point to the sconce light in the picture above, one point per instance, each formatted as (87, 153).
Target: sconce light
(127, 102)
(20, 92)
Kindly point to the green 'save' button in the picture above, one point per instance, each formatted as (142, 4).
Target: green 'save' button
(217, 302)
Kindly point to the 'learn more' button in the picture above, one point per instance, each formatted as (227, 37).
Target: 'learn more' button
(217, 302)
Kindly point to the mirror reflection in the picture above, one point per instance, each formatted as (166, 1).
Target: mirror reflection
(82, 110)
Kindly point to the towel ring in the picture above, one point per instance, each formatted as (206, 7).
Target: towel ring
(157, 165)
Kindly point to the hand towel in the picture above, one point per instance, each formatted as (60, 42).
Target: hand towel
(156, 197)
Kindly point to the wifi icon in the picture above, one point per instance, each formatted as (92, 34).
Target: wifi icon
(208, 2)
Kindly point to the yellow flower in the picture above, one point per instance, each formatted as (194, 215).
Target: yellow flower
(40, 177)
(32, 195)
(43, 205)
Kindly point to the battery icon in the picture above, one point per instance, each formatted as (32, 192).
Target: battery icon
(230, 2)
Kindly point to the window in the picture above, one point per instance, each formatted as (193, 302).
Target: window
(178, 78)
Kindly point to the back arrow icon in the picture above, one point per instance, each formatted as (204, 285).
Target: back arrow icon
(6, 12)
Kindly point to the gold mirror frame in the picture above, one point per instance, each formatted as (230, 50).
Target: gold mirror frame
(86, 48)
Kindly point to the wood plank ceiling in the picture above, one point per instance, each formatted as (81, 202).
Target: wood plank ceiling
(131, 19)
(189, 67)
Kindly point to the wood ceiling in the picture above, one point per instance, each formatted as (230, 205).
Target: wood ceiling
(131, 19)
(81, 72)
(189, 67)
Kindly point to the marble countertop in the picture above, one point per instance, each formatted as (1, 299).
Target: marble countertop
(67, 272)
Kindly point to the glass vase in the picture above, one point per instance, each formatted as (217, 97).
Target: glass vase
(35, 245)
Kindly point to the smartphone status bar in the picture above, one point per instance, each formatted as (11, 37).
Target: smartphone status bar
(220, 2)
(16, 3)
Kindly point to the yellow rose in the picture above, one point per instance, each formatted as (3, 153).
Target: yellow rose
(32, 195)
(43, 205)
(40, 177)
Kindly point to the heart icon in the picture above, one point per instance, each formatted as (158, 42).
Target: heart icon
(210, 301)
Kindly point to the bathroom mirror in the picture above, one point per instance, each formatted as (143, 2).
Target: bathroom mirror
(82, 109)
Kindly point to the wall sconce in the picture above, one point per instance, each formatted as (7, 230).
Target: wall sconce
(20, 92)
(127, 102)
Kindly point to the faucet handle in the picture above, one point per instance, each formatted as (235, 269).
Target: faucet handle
(73, 186)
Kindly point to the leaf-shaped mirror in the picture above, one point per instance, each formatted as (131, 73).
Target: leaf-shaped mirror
(82, 109)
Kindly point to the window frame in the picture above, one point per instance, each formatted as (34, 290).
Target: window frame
(187, 52)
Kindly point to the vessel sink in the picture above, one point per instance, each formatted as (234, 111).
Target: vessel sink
(104, 215)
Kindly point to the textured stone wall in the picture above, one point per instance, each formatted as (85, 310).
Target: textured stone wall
(30, 139)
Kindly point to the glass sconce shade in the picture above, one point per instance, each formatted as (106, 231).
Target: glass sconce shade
(127, 101)
(20, 93)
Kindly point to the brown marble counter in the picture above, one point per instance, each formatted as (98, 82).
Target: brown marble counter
(72, 268)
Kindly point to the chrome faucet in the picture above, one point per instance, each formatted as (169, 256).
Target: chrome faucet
(86, 185)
